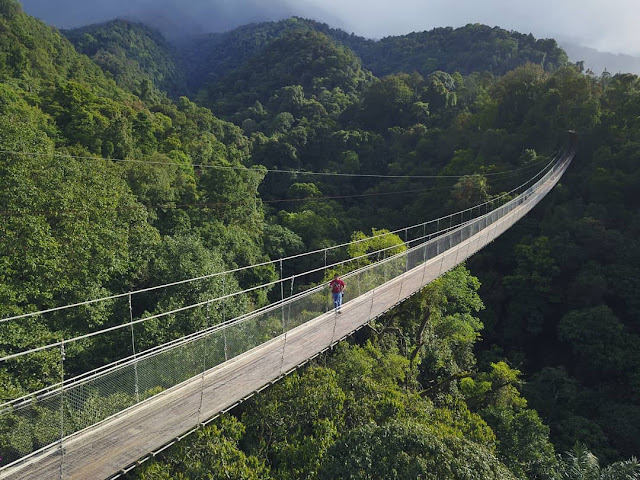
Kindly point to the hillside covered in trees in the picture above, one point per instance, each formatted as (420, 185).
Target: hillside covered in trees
(127, 162)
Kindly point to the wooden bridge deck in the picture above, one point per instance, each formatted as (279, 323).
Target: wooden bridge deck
(104, 450)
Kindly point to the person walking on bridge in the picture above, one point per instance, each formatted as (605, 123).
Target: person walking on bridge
(337, 289)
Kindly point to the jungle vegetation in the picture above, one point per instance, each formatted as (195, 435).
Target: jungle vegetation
(524, 363)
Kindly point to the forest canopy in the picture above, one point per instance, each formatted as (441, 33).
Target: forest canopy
(126, 162)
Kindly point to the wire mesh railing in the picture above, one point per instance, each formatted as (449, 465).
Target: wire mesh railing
(222, 332)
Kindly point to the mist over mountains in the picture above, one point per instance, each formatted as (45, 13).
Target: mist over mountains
(598, 61)
(178, 19)
(172, 17)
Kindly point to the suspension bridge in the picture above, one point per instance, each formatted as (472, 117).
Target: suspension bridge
(104, 422)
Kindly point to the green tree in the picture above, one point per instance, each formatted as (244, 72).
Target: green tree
(214, 454)
(534, 271)
(380, 245)
(387, 103)
(295, 422)
(402, 450)
(599, 340)
(581, 464)
(469, 191)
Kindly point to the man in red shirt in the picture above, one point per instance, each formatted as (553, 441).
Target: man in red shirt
(337, 287)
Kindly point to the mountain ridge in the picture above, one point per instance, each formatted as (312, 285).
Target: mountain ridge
(599, 61)
(105, 188)
(466, 49)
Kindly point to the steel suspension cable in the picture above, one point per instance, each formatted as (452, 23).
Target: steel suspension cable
(266, 263)
(245, 168)
(164, 347)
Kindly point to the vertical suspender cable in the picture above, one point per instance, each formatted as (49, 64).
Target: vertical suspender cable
(224, 318)
(328, 305)
(62, 358)
(373, 295)
(443, 253)
(424, 260)
(133, 348)
(404, 270)
(458, 248)
(325, 262)
(284, 329)
(204, 363)
(291, 295)
(285, 325)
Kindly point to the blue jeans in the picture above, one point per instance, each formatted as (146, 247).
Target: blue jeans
(337, 300)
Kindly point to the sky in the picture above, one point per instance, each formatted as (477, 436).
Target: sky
(609, 25)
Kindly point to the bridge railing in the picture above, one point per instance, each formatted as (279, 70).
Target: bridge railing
(38, 421)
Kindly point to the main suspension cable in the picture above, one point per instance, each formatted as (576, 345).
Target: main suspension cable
(270, 262)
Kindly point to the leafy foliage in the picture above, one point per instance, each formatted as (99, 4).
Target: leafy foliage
(78, 226)
(473, 48)
(215, 454)
(409, 450)
(416, 395)
(136, 56)
(306, 59)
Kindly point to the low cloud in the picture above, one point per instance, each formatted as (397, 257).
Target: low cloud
(174, 17)
(608, 26)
